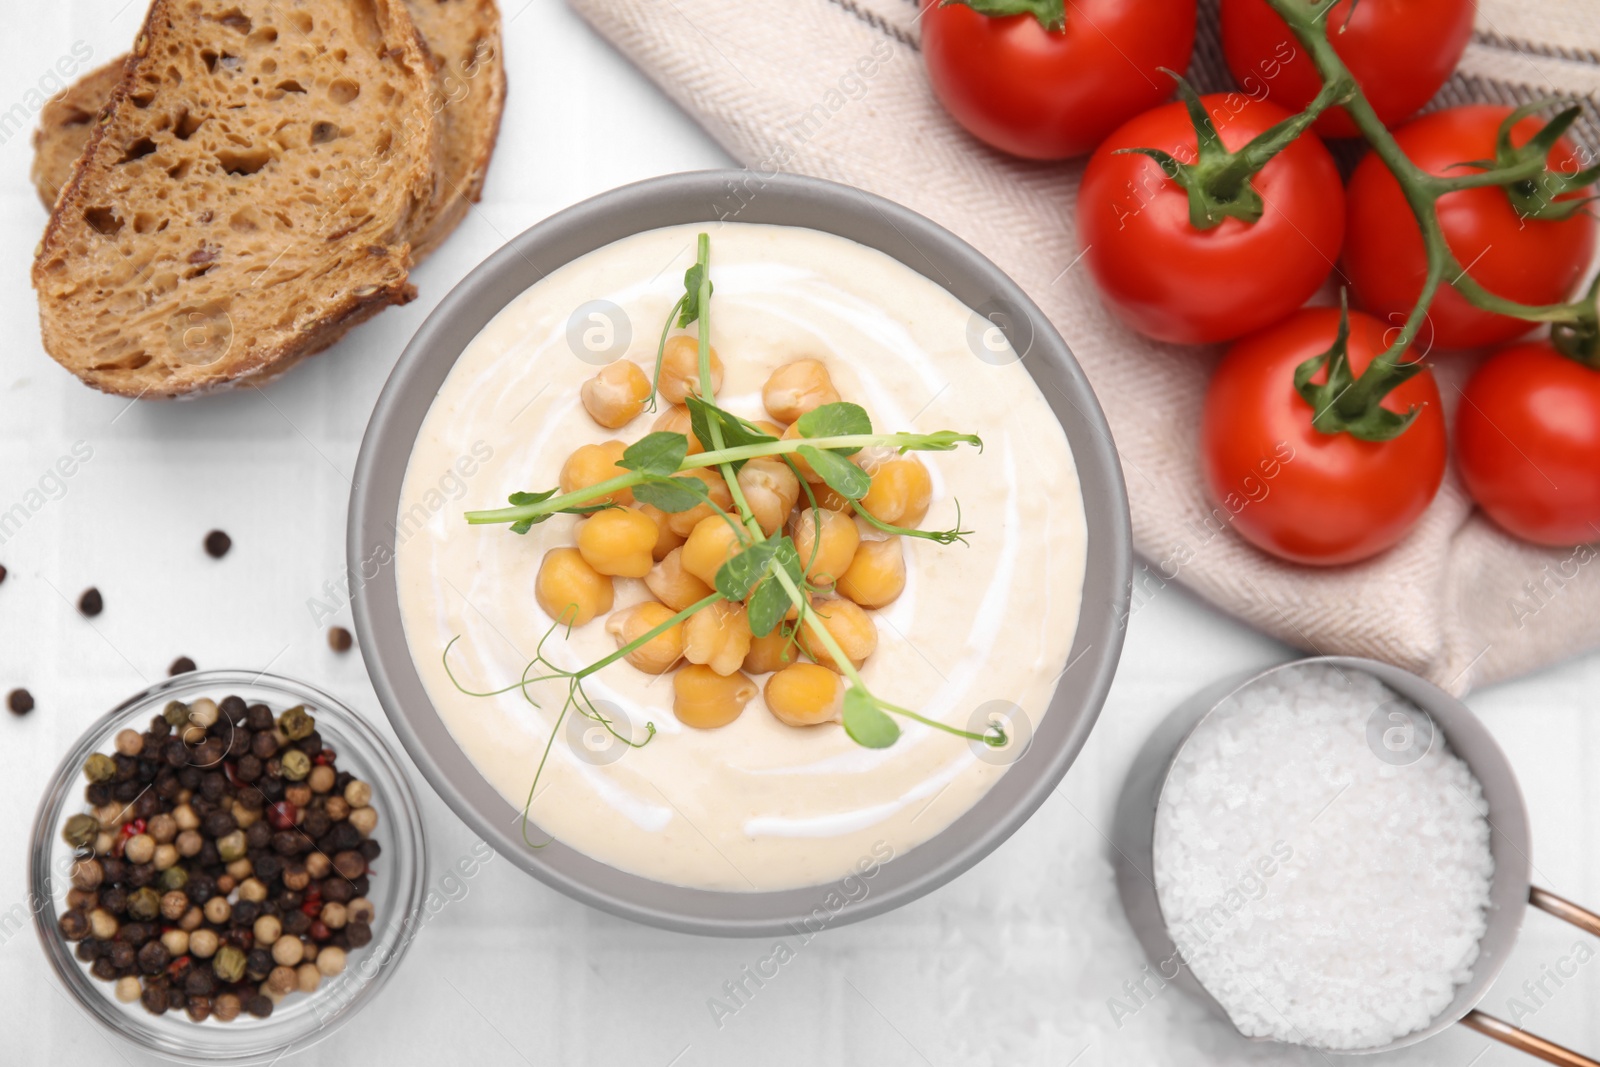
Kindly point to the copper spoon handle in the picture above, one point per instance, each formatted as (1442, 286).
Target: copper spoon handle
(1521, 1040)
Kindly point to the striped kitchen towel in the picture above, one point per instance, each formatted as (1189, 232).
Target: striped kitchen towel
(836, 89)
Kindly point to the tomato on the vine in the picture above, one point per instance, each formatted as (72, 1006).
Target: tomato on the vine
(1052, 94)
(1529, 260)
(1399, 52)
(1528, 443)
(1298, 493)
(1173, 282)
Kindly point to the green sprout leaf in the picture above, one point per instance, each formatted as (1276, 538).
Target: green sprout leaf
(523, 499)
(691, 309)
(658, 453)
(767, 606)
(736, 432)
(866, 723)
(842, 476)
(741, 572)
(671, 494)
(842, 419)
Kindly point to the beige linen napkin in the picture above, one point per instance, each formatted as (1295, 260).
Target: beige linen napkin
(836, 89)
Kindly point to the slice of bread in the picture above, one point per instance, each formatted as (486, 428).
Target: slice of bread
(470, 92)
(65, 122)
(250, 191)
(465, 38)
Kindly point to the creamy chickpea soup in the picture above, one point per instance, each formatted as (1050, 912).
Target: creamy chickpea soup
(707, 756)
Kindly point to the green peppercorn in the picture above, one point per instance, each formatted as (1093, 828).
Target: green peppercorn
(99, 767)
(296, 765)
(144, 904)
(232, 846)
(81, 830)
(296, 723)
(228, 963)
(174, 878)
(176, 713)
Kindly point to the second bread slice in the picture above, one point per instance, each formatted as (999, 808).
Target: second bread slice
(249, 192)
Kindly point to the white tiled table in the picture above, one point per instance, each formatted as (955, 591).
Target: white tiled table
(1012, 964)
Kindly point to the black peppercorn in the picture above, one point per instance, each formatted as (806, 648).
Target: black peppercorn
(104, 969)
(296, 923)
(217, 544)
(154, 957)
(199, 982)
(199, 1008)
(154, 999)
(371, 849)
(248, 768)
(358, 934)
(181, 665)
(189, 777)
(316, 823)
(268, 866)
(258, 965)
(121, 955)
(125, 791)
(175, 752)
(259, 717)
(88, 949)
(338, 890)
(114, 899)
(339, 639)
(245, 912)
(176, 1001)
(20, 701)
(263, 745)
(201, 888)
(219, 823)
(74, 924)
(141, 874)
(286, 842)
(271, 787)
(258, 1005)
(159, 726)
(135, 933)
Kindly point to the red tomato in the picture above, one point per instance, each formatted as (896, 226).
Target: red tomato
(1293, 491)
(1173, 282)
(1532, 261)
(1399, 51)
(1044, 95)
(1528, 441)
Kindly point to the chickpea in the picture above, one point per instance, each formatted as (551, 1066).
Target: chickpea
(825, 559)
(674, 586)
(717, 636)
(676, 420)
(618, 541)
(657, 655)
(901, 491)
(592, 464)
(804, 694)
(771, 429)
(830, 499)
(712, 542)
(704, 699)
(570, 590)
(680, 369)
(850, 626)
(616, 395)
(796, 388)
(800, 464)
(717, 489)
(877, 574)
(666, 538)
(770, 653)
(771, 489)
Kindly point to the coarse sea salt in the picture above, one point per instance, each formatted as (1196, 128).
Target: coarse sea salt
(1324, 896)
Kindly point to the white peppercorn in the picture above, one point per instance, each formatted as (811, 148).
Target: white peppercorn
(102, 924)
(365, 820)
(185, 817)
(267, 930)
(253, 889)
(203, 943)
(288, 951)
(141, 848)
(309, 977)
(333, 915)
(360, 910)
(203, 713)
(282, 981)
(165, 856)
(129, 742)
(127, 989)
(358, 794)
(190, 843)
(218, 909)
(176, 942)
(330, 961)
(162, 827)
(321, 778)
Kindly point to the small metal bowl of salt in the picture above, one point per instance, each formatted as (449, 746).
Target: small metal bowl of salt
(1331, 853)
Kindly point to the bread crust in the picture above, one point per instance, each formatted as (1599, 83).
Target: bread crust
(154, 276)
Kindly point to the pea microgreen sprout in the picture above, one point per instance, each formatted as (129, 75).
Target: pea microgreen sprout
(765, 573)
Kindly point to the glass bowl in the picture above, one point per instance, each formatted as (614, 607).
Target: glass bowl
(300, 1019)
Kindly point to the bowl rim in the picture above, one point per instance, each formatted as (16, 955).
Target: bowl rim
(391, 940)
(711, 198)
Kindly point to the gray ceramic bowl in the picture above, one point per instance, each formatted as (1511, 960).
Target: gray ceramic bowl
(710, 197)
